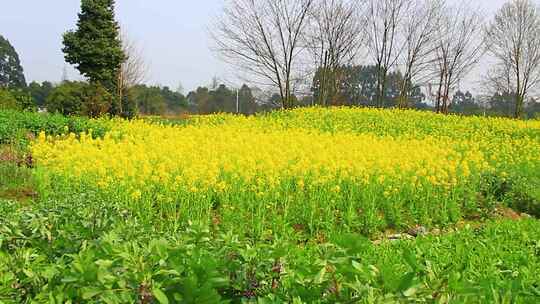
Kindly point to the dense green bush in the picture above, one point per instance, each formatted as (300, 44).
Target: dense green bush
(79, 98)
(523, 194)
(96, 101)
(24, 99)
(67, 98)
(8, 101)
(16, 99)
(520, 191)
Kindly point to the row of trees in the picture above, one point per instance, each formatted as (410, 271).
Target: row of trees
(111, 64)
(149, 100)
(307, 51)
(358, 89)
(358, 86)
(433, 43)
(85, 98)
(80, 98)
(95, 47)
(223, 99)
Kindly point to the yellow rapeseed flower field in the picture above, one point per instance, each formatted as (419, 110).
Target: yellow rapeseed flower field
(333, 169)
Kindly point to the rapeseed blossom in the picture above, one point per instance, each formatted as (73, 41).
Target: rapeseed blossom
(303, 158)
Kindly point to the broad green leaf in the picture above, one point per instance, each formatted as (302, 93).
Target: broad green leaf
(410, 292)
(319, 278)
(407, 281)
(410, 258)
(90, 292)
(160, 296)
(357, 266)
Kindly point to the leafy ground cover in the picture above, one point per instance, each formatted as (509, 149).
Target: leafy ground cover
(72, 250)
(19, 128)
(289, 207)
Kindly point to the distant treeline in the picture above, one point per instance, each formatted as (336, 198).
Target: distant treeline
(79, 98)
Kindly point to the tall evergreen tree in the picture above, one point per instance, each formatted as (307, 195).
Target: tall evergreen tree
(11, 71)
(95, 46)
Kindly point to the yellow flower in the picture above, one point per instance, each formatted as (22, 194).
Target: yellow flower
(136, 194)
(371, 149)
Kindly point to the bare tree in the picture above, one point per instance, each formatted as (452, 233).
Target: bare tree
(133, 70)
(459, 46)
(513, 38)
(334, 37)
(418, 31)
(383, 20)
(263, 38)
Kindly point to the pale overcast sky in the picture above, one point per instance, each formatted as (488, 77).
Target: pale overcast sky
(171, 33)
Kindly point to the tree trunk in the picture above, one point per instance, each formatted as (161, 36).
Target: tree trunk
(439, 94)
(519, 106)
(379, 95)
(403, 101)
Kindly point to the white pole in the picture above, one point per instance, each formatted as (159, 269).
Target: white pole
(237, 102)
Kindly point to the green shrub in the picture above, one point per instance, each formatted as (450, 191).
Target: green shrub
(25, 101)
(96, 101)
(67, 98)
(520, 192)
(8, 101)
(79, 98)
(524, 195)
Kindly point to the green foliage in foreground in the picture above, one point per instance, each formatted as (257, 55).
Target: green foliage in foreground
(82, 250)
(16, 126)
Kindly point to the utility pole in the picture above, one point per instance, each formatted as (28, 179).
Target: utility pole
(237, 101)
(65, 74)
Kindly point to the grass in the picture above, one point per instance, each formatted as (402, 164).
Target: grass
(152, 212)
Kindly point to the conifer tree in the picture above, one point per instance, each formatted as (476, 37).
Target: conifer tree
(95, 47)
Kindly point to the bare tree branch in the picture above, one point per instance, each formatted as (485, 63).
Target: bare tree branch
(418, 30)
(263, 38)
(334, 38)
(133, 70)
(459, 47)
(514, 41)
(383, 21)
